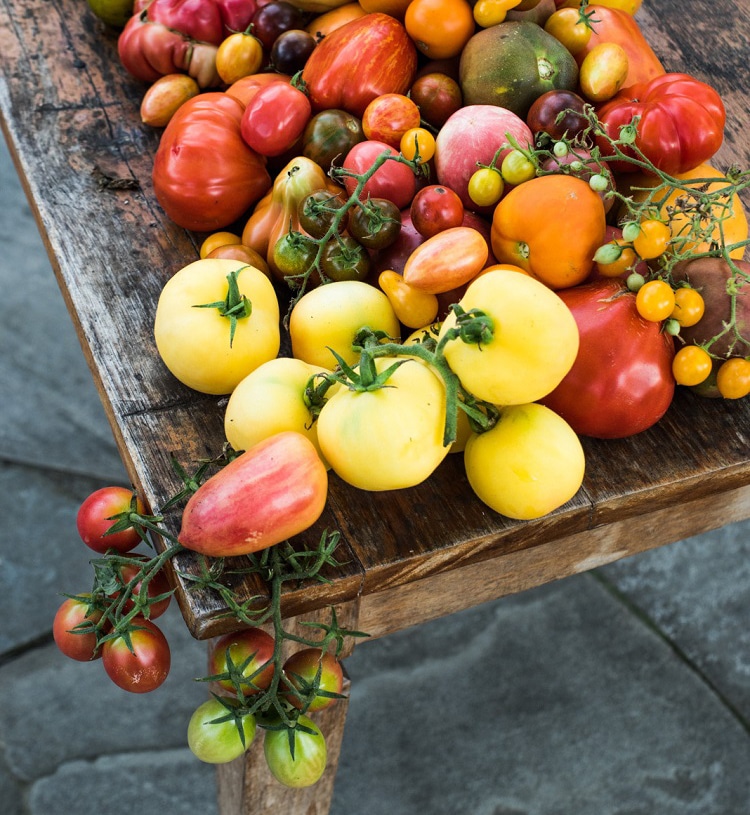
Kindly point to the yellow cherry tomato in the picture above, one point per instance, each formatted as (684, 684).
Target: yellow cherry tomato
(689, 306)
(492, 12)
(691, 365)
(733, 378)
(218, 239)
(529, 464)
(486, 186)
(655, 300)
(622, 264)
(517, 167)
(417, 141)
(653, 239)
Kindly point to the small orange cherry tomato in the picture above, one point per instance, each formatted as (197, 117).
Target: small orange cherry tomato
(655, 300)
(624, 263)
(689, 306)
(239, 55)
(439, 28)
(217, 239)
(733, 378)
(567, 27)
(653, 239)
(418, 142)
(603, 71)
(691, 365)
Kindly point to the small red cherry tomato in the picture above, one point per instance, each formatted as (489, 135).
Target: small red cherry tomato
(275, 119)
(436, 208)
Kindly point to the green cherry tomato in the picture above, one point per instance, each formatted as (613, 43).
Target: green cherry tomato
(213, 735)
(317, 212)
(303, 768)
(517, 168)
(294, 254)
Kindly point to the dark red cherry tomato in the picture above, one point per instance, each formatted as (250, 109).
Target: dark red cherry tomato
(436, 208)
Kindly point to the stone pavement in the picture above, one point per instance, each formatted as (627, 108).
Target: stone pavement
(625, 691)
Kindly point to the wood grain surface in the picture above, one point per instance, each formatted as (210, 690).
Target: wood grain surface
(70, 114)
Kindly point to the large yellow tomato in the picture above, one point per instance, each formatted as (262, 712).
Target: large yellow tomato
(204, 346)
(692, 232)
(329, 317)
(269, 400)
(533, 346)
(530, 463)
(389, 438)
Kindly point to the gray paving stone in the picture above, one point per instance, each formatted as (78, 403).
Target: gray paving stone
(50, 412)
(126, 784)
(697, 592)
(555, 702)
(55, 710)
(10, 792)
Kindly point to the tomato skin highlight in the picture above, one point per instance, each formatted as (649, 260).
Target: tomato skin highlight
(271, 492)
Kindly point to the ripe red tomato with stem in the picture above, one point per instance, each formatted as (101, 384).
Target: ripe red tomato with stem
(275, 118)
(244, 657)
(138, 661)
(80, 645)
(97, 514)
(393, 180)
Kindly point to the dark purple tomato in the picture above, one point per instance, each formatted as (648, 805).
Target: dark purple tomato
(291, 49)
(274, 19)
(543, 113)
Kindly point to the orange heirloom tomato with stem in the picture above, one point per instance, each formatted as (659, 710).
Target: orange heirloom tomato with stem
(655, 300)
(652, 239)
(567, 26)
(689, 306)
(551, 226)
(439, 28)
(239, 55)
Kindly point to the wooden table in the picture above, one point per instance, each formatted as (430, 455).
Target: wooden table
(70, 115)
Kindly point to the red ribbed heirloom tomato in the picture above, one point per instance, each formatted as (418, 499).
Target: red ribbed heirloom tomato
(274, 490)
(359, 61)
(621, 381)
(681, 122)
(205, 176)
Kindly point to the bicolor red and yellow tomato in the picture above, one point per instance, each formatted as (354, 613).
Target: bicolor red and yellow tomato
(250, 653)
(315, 679)
(73, 628)
(138, 662)
(97, 515)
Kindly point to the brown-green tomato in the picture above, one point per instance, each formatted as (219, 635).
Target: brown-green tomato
(269, 400)
(330, 316)
(529, 464)
(389, 438)
(196, 344)
(534, 342)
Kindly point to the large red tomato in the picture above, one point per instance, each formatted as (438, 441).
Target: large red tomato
(205, 176)
(681, 122)
(621, 381)
(364, 59)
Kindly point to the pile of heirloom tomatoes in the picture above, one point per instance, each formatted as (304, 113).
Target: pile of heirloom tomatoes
(377, 178)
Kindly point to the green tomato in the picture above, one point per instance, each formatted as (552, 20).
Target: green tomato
(206, 349)
(389, 438)
(330, 317)
(215, 741)
(269, 400)
(530, 463)
(310, 755)
(534, 342)
(114, 13)
(517, 168)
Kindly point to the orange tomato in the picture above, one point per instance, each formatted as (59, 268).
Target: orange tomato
(551, 226)
(440, 28)
(394, 8)
(244, 89)
(239, 55)
(446, 260)
(628, 6)
(323, 24)
(603, 71)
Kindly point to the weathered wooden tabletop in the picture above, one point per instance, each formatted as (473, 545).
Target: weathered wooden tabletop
(70, 114)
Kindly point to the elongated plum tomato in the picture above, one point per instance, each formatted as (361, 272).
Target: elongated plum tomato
(213, 736)
(269, 493)
(534, 341)
(95, 518)
(206, 343)
(310, 755)
(530, 463)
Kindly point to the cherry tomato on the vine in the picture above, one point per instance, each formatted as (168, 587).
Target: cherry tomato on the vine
(77, 644)
(94, 519)
(250, 651)
(313, 674)
(343, 258)
(418, 144)
(691, 365)
(142, 665)
(733, 378)
(317, 212)
(655, 300)
(689, 306)
(376, 224)
(652, 239)
(214, 737)
(486, 186)
(294, 254)
(517, 167)
(617, 267)
(307, 764)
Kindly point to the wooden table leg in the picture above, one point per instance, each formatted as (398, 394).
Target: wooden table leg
(246, 787)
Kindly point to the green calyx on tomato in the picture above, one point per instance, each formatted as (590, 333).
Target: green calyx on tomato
(235, 306)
